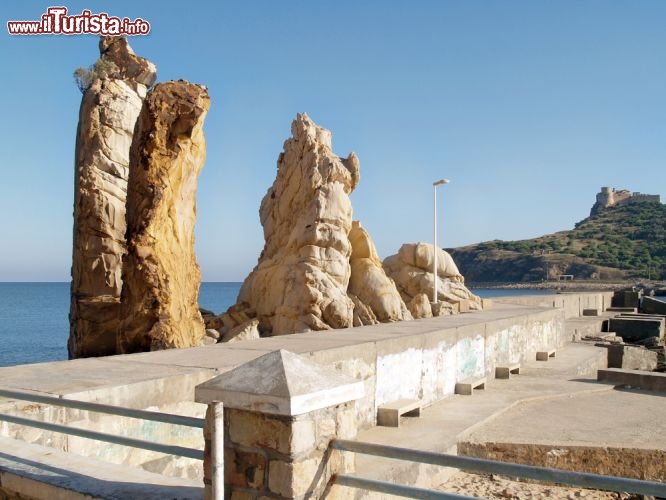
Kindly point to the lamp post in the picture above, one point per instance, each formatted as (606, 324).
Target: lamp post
(434, 233)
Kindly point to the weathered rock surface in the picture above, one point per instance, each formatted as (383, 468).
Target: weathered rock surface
(419, 306)
(370, 283)
(161, 278)
(245, 331)
(108, 113)
(411, 269)
(300, 282)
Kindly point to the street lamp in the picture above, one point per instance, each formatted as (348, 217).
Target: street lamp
(434, 232)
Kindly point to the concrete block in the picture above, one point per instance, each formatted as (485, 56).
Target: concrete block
(622, 309)
(631, 358)
(649, 381)
(463, 306)
(634, 329)
(388, 415)
(653, 306)
(486, 304)
(466, 387)
(506, 371)
(544, 355)
(625, 298)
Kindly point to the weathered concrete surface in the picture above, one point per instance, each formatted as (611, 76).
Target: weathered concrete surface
(442, 425)
(649, 381)
(631, 358)
(108, 114)
(626, 298)
(161, 278)
(29, 471)
(280, 383)
(653, 306)
(635, 328)
(572, 303)
(619, 433)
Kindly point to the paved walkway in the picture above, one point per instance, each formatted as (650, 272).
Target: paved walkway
(553, 402)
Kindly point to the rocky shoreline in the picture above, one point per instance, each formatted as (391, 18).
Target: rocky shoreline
(573, 286)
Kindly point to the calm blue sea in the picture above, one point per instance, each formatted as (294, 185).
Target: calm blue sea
(34, 323)
(34, 318)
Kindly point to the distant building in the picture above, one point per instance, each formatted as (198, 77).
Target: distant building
(608, 197)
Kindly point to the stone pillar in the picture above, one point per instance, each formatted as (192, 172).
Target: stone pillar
(281, 412)
(108, 114)
(159, 301)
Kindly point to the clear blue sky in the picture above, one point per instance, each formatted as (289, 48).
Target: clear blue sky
(529, 107)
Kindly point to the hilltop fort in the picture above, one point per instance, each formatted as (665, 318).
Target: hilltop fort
(608, 197)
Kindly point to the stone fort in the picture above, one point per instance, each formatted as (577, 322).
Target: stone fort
(608, 197)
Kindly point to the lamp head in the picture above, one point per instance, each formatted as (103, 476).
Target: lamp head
(440, 182)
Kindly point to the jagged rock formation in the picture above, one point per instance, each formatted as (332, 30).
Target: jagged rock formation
(300, 282)
(370, 284)
(107, 116)
(411, 269)
(161, 278)
(318, 269)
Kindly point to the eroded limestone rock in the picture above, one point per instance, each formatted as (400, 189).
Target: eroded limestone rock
(161, 278)
(245, 331)
(370, 283)
(300, 282)
(411, 269)
(108, 113)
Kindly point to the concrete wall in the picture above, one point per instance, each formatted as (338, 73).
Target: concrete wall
(427, 365)
(420, 359)
(572, 303)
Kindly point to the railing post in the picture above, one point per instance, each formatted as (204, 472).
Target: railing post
(217, 450)
(214, 452)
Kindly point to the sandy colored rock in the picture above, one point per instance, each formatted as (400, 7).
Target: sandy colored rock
(419, 306)
(300, 282)
(411, 269)
(161, 278)
(370, 283)
(108, 114)
(245, 331)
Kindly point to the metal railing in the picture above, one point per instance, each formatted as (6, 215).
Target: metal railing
(579, 479)
(110, 410)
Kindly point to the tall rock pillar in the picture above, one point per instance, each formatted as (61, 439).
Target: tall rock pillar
(109, 110)
(161, 278)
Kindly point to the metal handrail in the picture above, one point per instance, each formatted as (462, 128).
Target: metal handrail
(108, 438)
(583, 479)
(108, 409)
(396, 489)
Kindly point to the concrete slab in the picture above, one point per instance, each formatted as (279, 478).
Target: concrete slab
(388, 415)
(37, 472)
(653, 306)
(443, 424)
(630, 419)
(649, 381)
(631, 358)
(505, 372)
(634, 328)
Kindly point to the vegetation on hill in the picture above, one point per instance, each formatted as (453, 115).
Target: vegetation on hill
(618, 242)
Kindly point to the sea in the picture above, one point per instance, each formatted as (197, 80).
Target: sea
(34, 323)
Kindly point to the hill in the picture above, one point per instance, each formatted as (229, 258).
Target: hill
(617, 242)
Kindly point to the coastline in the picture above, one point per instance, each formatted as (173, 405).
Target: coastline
(570, 286)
